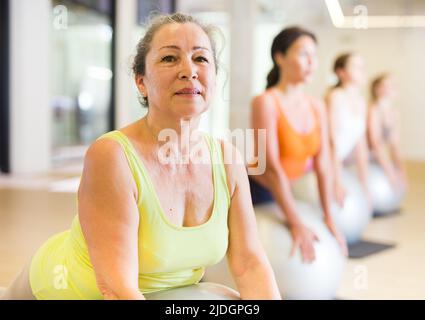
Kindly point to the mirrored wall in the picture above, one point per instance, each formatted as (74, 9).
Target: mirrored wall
(82, 74)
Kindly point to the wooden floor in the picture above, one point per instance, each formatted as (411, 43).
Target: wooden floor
(29, 215)
(397, 273)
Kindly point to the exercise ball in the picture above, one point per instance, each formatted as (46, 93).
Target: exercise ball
(385, 198)
(220, 273)
(306, 189)
(295, 278)
(352, 217)
(199, 291)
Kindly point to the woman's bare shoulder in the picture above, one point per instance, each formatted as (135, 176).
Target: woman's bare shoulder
(262, 99)
(105, 162)
(335, 93)
(233, 163)
(263, 106)
(104, 150)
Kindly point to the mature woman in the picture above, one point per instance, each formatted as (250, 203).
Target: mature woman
(148, 218)
(383, 132)
(297, 135)
(347, 120)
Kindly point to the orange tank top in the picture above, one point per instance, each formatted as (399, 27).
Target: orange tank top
(295, 148)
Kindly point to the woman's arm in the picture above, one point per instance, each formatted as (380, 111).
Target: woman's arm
(110, 220)
(377, 145)
(362, 162)
(332, 99)
(322, 168)
(248, 262)
(394, 146)
(264, 116)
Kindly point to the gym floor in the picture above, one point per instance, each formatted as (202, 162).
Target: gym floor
(31, 210)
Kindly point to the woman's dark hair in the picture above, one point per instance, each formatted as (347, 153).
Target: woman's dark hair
(281, 43)
(154, 24)
(340, 64)
(377, 81)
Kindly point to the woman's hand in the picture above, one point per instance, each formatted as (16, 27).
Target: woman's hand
(124, 293)
(338, 236)
(339, 193)
(394, 179)
(399, 181)
(303, 238)
(130, 295)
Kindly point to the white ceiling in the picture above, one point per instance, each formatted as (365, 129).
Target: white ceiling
(312, 10)
(386, 7)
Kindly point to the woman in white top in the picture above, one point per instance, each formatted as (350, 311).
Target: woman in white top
(383, 132)
(347, 113)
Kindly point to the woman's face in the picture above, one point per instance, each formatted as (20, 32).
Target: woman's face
(300, 61)
(180, 71)
(354, 71)
(387, 88)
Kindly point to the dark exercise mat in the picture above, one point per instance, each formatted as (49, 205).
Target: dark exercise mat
(392, 213)
(365, 248)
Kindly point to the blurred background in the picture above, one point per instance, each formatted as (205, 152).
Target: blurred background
(65, 79)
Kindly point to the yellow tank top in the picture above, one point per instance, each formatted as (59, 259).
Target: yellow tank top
(169, 255)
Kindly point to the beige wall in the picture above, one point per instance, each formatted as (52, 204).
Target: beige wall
(401, 51)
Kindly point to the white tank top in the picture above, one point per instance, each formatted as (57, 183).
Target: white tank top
(348, 129)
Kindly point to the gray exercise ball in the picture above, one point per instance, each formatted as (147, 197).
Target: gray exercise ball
(306, 189)
(220, 273)
(200, 291)
(295, 278)
(385, 198)
(352, 217)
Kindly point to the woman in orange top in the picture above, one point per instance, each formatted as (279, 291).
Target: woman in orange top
(296, 136)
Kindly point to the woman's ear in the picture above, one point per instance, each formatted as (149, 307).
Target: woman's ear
(279, 58)
(139, 79)
(340, 73)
